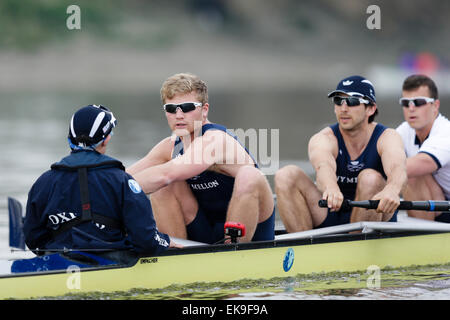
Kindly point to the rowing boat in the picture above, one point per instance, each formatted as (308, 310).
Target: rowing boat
(382, 244)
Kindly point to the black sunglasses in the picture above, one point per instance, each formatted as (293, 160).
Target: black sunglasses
(417, 101)
(349, 101)
(185, 107)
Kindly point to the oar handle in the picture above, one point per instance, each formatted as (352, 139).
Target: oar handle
(429, 205)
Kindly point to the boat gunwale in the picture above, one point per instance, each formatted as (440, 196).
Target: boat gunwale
(322, 239)
(217, 248)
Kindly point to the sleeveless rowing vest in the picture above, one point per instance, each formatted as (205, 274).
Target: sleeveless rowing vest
(347, 169)
(212, 190)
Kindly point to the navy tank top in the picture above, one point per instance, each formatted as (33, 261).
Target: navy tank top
(212, 189)
(348, 169)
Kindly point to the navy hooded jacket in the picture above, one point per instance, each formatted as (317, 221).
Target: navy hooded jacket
(54, 199)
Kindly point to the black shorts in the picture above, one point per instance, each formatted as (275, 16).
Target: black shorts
(202, 229)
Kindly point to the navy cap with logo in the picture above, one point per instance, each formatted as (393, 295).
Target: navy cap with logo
(355, 86)
(90, 125)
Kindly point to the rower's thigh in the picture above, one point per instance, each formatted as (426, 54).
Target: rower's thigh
(292, 177)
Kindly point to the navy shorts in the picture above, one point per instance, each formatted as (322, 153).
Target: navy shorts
(203, 230)
(343, 217)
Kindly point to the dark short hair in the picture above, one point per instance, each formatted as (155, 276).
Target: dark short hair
(417, 80)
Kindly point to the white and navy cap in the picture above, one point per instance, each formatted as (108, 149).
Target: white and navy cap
(355, 86)
(90, 125)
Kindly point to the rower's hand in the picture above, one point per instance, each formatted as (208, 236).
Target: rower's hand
(389, 200)
(173, 244)
(334, 198)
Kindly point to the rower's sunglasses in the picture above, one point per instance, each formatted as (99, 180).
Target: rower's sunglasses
(349, 101)
(185, 107)
(417, 101)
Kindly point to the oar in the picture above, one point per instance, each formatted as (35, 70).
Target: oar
(16, 236)
(429, 205)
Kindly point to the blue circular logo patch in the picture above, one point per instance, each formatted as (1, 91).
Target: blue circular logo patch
(288, 260)
(134, 186)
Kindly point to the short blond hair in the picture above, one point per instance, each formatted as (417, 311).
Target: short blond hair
(184, 83)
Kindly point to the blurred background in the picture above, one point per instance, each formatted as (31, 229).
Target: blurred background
(268, 65)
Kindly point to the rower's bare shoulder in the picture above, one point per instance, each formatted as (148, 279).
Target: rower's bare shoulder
(390, 132)
(322, 145)
(324, 136)
(390, 138)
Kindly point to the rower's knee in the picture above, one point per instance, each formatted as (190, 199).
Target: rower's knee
(287, 177)
(251, 184)
(248, 180)
(423, 188)
(414, 189)
(370, 181)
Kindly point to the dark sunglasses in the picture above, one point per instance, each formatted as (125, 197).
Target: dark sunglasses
(349, 101)
(417, 101)
(185, 107)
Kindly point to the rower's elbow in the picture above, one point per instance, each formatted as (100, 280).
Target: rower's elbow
(165, 179)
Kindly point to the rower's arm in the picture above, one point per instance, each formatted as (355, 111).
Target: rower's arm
(193, 162)
(419, 165)
(393, 158)
(391, 150)
(322, 150)
(157, 155)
